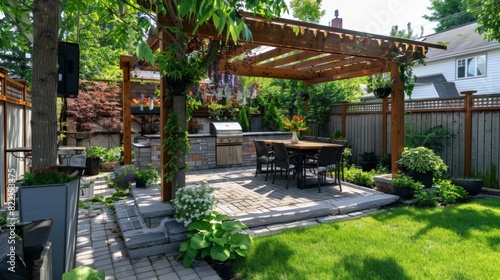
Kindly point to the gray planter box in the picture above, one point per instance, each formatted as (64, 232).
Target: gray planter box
(58, 202)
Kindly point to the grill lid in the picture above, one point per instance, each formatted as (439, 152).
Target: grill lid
(221, 128)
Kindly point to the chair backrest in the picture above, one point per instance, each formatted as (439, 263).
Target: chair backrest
(329, 155)
(282, 156)
(260, 148)
(323, 140)
(308, 138)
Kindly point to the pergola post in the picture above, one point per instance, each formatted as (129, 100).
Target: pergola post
(397, 116)
(127, 117)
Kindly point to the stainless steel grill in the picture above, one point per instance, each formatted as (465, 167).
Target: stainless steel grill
(229, 142)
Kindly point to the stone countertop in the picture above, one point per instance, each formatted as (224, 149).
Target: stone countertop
(157, 136)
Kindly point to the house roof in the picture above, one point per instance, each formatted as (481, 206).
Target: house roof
(460, 41)
(443, 87)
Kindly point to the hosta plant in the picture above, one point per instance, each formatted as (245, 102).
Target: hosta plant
(421, 159)
(215, 236)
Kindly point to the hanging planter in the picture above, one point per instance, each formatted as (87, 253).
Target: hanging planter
(177, 87)
(382, 92)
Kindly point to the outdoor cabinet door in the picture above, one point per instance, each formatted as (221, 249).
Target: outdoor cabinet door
(229, 155)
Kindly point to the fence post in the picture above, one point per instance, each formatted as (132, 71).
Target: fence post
(468, 131)
(384, 125)
(344, 117)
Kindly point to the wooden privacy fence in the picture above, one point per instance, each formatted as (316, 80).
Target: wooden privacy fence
(15, 117)
(475, 121)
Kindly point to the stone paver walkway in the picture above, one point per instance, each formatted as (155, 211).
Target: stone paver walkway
(100, 246)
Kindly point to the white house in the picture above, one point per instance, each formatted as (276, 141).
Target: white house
(469, 63)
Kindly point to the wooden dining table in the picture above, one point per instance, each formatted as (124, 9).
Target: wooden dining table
(302, 148)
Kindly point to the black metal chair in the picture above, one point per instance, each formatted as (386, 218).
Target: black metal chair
(264, 156)
(329, 161)
(283, 161)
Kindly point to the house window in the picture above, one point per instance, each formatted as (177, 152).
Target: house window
(471, 67)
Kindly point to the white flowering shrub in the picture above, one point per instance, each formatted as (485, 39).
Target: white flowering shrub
(193, 203)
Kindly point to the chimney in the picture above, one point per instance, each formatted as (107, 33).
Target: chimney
(337, 22)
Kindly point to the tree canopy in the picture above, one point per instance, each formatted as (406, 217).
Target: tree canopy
(449, 14)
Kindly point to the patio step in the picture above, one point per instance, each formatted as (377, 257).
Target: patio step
(140, 240)
(315, 210)
(149, 227)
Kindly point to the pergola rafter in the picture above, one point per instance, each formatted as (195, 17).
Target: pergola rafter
(289, 49)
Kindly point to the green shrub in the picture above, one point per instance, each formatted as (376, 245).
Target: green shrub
(214, 236)
(271, 121)
(243, 119)
(426, 198)
(359, 177)
(402, 180)
(113, 154)
(147, 176)
(451, 193)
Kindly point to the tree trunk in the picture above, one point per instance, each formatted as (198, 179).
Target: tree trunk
(44, 110)
(180, 109)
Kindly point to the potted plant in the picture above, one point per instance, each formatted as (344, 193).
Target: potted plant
(472, 185)
(421, 164)
(111, 158)
(380, 85)
(369, 161)
(93, 161)
(404, 186)
(52, 193)
(144, 177)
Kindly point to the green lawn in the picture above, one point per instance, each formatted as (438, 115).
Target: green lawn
(456, 242)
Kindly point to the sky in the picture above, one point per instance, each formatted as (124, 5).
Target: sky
(378, 16)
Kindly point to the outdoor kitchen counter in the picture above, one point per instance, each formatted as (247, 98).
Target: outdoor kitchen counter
(202, 154)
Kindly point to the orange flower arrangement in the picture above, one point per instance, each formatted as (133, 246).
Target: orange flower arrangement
(144, 102)
(296, 124)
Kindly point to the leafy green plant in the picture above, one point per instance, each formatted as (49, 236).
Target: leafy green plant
(378, 81)
(422, 159)
(176, 144)
(84, 273)
(218, 112)
(426, 198)
(402, 181)
(451, 193)
(193, 202)
(215, 236)
(433, 138)
(95, 152)
(147, 176)
(359, 177)
(49, 175)
(113, 154)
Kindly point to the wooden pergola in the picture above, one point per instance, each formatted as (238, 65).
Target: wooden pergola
(289, 49)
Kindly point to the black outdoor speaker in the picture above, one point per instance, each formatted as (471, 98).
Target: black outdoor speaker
(68, 74)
